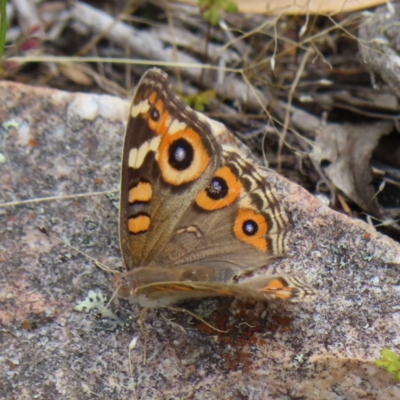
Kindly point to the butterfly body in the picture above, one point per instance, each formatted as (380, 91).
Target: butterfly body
(196, 218)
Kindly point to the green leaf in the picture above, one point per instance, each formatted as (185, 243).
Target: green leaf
(389, 355)
(390, 361)
(213, 8)
(231, 7)
(381, 363)
(391, 369)
(214, 16)
(200, 100)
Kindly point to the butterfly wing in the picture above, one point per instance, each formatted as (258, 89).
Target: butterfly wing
(169, 156)
(236, 222)
(163, 294)
(196, 218)
(235, 226)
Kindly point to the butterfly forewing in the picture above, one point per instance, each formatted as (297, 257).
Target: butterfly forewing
(169, 156)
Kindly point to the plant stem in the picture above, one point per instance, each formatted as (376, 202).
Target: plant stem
(3, 25)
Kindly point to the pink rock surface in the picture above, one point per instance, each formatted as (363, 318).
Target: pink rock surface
(56, 143)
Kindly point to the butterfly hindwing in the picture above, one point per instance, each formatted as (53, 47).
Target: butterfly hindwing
(236, 221)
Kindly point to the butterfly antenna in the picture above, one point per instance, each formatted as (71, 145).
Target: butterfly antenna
(113, 296)
(98, 263)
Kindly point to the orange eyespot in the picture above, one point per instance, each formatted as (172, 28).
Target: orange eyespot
(154, 114)
(222, 191)
(251, 228)
(182, 157)
(158, 118)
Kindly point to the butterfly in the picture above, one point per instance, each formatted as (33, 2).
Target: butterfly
(197, 218)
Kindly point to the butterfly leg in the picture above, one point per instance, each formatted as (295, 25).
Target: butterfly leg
(141, 319)
(196, 317)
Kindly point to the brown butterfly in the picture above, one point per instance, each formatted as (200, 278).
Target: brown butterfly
(197, 219)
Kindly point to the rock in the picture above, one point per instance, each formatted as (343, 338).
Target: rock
(58, 143)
